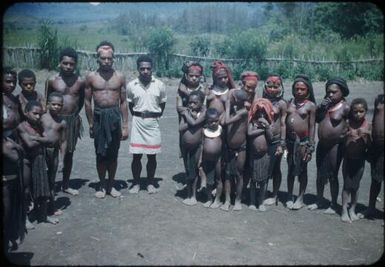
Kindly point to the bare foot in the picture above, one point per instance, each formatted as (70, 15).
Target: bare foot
(214, 192)
(312, 206)
(330, 211)
(100, 194)
(298, 205)
(180, 188)
(237, 205)
(215, 205)
(51, 220)
(252, 207)
(71, 191)
(151, 189)
(201, 188)
(262, 207)
(368, 213)
(345, 217)
(29, 225)
(225, 206)
(190, 201)
(270, 201)
(58, 212)
(289, 204)
(134, 189)
(207, 204)
(353, 215)
(115, 193)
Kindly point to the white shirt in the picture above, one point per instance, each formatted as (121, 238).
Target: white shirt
(146, 98)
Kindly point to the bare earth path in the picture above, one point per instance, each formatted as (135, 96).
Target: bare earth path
(159, 229)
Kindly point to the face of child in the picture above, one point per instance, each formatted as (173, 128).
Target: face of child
(358, 112)
(55, 105)
(334, 93)
(105, 59)
(212, 123)
(273, 88)
(249, 86)
(222, 79)
(300, 91)
(34, 115)
(28, 84)
(193, 77)
(67, 65)
(194, 103)
(9, 83)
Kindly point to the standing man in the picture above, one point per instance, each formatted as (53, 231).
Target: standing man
(146, 98)
(71, 86)
(108, 121)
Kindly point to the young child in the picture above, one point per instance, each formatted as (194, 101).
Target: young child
(235, 152)
(300, 133)
(331, 115)
(190, 128)
(218, 91)
(259, 134)
(273, 90)
(9, 99)
(30, 131)
(376, 154)
(27, 83)
(357, 141)
(211, 158)
(54, 137)
(13, 205)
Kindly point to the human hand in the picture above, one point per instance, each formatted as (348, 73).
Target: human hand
(124, 133)
(92, 131)
(263, 122)
(307, 157)
(278, 151)
(325, 102)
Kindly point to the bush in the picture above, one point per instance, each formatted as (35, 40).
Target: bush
(48, 43)
(200, 46)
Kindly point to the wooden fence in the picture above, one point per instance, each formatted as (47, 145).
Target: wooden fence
(22, 57)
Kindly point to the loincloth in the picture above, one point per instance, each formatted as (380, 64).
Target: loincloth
(260, 168)
(74, 130)
(107, 132)
(295, 162)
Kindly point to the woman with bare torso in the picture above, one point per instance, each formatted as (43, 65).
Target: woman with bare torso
(331, 116)
(300, 132)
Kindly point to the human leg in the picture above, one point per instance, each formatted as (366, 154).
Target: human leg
(262, 194)
(219, 188)
(302, 188)
(136, 168)
(151, 168)
(67, 169)
(102, 170)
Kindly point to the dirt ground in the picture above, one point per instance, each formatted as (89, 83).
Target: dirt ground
(159, 229)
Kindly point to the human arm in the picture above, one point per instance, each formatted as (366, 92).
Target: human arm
(11, 150)
(124, 109)
(283, 113)
(253, 130)
(311, 145)
(63, 146)
(322, 109)
(194, 122)
(87, 104)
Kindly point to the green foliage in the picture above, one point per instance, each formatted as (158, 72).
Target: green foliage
(200, 46)
(48, 43)
(160, 43)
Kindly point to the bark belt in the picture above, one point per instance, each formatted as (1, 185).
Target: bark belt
(147, 114)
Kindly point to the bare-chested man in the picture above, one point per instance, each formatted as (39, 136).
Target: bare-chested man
(235, 153)
(191, 129)
(331, 115)
(108, 121)
(211, 157)
(259, 134)
(53, 138)
(273, 90)
(358, 139)
(71, 86)
(376, 154)
(300, 133)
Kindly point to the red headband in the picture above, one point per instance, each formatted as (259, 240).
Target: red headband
(249, 76)
(105, 48)
(195, 68)
(273, 79)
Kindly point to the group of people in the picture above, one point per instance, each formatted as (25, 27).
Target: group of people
(40, 133)
(231, 140)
